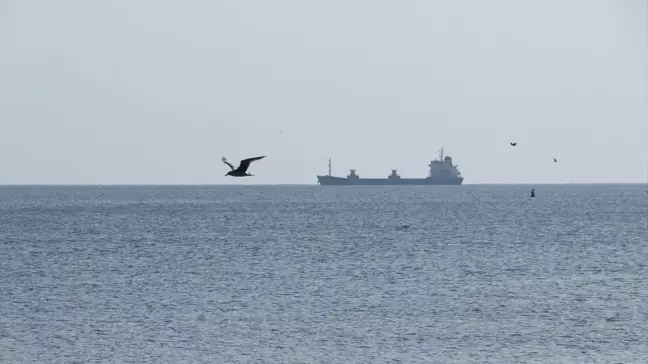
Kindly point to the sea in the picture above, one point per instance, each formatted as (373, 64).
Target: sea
(310, 274)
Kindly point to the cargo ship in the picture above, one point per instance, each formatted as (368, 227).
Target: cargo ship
(442, 172)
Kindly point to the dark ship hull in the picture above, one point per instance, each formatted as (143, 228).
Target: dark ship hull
(341, 181)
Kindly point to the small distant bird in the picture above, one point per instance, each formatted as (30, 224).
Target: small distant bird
(241, 171)
(513, 144)
(555, 160)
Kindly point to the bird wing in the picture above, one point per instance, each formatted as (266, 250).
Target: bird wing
(245, 163)
(228, 163)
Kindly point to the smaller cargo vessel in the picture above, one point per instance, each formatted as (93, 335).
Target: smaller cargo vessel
(442, 172)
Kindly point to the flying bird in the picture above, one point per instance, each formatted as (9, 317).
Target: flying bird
(555, 160)
(513, 144)
(241, 171)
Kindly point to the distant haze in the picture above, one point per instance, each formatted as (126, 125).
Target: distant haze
(129, 92)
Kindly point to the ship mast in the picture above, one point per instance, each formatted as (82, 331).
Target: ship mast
(329, 166)
(441, 154)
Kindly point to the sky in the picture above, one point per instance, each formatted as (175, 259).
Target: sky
(156, 92)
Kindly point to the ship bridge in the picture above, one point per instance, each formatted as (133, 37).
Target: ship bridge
(442, 167)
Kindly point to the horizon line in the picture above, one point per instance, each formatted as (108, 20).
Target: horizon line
(306, 184)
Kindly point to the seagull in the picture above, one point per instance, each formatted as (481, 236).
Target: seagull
(241, 171)
(513, 144)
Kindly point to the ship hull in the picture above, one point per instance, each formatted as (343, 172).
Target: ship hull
(340, 181)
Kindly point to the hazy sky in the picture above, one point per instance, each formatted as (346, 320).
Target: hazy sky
(145, 91)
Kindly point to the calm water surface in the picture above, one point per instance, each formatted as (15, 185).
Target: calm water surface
(482, 274)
